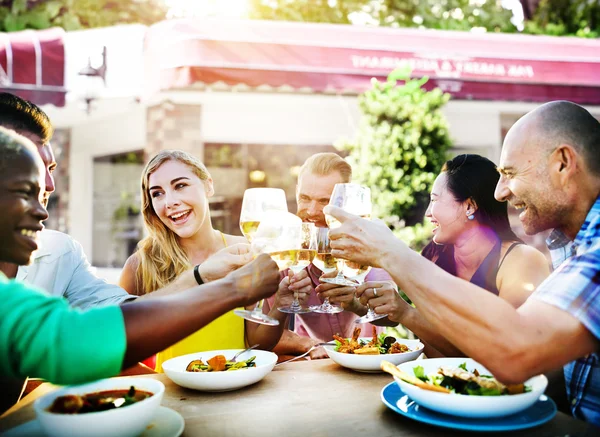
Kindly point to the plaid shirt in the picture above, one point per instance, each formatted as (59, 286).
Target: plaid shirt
(575, 287)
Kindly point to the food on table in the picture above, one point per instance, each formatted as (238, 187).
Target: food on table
(219, 363)
(378, 345)
(457, 380)
(97, 401)
(390, 368)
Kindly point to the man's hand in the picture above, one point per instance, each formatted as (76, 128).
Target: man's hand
(383, 298)
(315, 354)
(341, 295)
(256, 280)
(225, 261)
(360, 240)
(299, 283)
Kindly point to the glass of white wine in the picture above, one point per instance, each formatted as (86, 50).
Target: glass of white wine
(257, 202)
(299, 260)
(355, 199)
(325, 262)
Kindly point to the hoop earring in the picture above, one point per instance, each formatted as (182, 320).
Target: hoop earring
(471, 217)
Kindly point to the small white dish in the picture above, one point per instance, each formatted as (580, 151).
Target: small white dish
(371, 363)
(464, 405)
(219, 381)
(126, 421)
(166, 423)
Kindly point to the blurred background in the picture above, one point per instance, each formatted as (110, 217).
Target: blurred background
(254, 87)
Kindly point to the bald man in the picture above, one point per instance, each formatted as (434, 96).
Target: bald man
(550, 171)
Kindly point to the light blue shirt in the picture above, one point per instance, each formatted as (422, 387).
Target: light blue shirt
(61, 268)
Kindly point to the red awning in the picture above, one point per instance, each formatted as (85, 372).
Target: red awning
(32, 65)
(342, 58)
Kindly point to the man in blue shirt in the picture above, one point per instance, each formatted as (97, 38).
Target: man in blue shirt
(550, 171)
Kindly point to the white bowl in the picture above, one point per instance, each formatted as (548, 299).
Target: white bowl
(371, 363)
(219, 381)
(465, 405)
(127, 421)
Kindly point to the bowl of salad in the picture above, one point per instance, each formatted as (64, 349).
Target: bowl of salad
(365, 354)
(214, 371)
(463, 387)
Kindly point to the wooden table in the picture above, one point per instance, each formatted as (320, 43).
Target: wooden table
(311, 398)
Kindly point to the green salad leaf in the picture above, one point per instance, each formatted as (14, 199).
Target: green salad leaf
(420, 373)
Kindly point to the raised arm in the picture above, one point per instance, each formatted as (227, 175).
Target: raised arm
(512, 344)
(67, 346)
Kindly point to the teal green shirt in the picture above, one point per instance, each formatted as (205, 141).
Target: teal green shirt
(41, 336)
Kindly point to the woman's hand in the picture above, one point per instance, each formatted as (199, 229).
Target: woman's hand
(383, 298)
(299, 283)
(221, 263)
(360, 240)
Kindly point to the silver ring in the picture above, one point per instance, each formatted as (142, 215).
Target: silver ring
(374, 291)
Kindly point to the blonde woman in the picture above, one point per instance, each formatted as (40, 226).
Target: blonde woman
(175, 190)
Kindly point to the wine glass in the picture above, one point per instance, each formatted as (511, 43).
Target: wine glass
(325, 262)
(355, 199)
(257, 202)
(358, 273)
(304, 256)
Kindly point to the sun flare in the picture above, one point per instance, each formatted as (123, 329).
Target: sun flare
(208, 8)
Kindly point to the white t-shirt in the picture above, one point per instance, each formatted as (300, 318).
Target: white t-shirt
(61, 268)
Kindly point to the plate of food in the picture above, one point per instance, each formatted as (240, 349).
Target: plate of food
(463, 387)
(118, 407)
(214, 370)
(542, 411)
(365, 354)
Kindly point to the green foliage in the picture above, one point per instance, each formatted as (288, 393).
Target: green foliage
(401, 145)
(552, 17)
(317, 11)
(78, 14)
(558, 17)
(431, 14)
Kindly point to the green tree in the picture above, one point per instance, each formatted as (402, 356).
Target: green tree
(402, 141)
(78, 14)
(432, 14)
(558, 17)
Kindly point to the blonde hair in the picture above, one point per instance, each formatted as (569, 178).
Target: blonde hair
(323, 164)
(161, 257)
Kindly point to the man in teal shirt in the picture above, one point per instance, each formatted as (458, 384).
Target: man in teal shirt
(42, 336)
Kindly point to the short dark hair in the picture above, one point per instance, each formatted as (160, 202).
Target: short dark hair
(12, 147)
(25, 117)
(563, 122)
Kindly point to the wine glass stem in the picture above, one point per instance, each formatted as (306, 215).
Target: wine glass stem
(258, 307)
(340, 275)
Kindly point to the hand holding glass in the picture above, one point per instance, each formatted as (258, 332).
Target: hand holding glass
(325, 262)
(355, 199)
(257, 202)
(300, 259)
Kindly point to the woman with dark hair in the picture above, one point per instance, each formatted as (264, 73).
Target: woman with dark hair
(472, 240)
